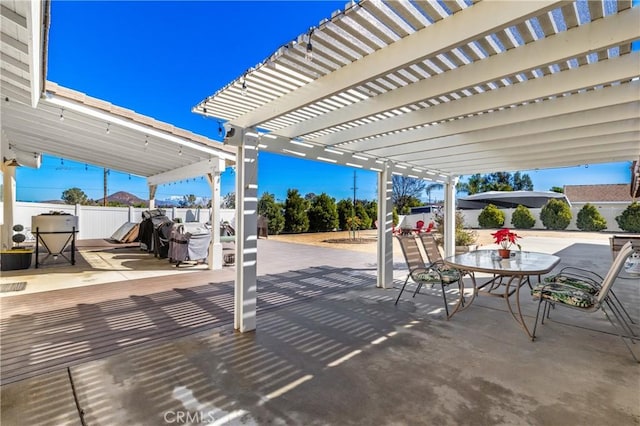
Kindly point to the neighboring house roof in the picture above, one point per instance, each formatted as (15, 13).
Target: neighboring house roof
(509, 199)
(598, 193)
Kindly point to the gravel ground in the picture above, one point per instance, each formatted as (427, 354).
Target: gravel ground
(484, 238)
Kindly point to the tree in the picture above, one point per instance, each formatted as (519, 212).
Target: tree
(345, 211)
(229, 201)
(555, 214)
(371, 207)
(500, 181)
(590, 219)
(188, 201)
(432, 187)
(629, 219)
(268, 208)
(557, 189)
(491, 217)
(323, 214)
(522, 182)
(405, 191)
(365, 220)
(75, 196)
(405, 203)
(295, 212)
(522, 218)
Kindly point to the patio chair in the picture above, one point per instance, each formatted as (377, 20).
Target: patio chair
(588, 297)
(426, 273)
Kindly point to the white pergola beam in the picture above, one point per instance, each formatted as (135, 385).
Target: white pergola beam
(588, 76)
(611, 98)
(579, 41)
(597, 123)
(35, 50)
(482, 19)
(553, 148)
(215, 165)
(302, 149)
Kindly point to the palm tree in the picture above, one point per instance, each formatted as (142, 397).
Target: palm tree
(432, 187)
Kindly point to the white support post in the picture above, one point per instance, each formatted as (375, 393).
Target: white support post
(385, 228)
(152, 196)
(246, 233)
(9, 197)
(215, 247)
(450, 216)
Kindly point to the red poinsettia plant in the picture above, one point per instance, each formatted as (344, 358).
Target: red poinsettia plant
(505, 238)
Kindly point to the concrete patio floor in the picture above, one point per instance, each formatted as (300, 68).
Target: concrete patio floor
(341, 353)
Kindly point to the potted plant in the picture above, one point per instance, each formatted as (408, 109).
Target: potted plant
(17, 257)
(505, 238)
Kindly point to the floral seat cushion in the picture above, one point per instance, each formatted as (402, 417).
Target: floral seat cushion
(433, 277)
(583, 285)
(566, 294)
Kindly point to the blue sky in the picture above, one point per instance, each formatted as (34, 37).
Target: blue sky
(162, 58)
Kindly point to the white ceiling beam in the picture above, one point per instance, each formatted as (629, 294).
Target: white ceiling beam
(581, 102)
(579, 41)
(469, 24)
(572, 124)
(604, 72)
(193, 170)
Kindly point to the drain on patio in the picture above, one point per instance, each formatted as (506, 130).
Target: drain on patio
(19, 286)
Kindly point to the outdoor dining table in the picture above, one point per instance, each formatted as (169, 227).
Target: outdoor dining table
(509, 275)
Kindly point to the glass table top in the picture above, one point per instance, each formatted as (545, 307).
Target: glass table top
(520, 262)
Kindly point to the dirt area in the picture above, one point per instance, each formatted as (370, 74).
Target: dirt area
(484, 238)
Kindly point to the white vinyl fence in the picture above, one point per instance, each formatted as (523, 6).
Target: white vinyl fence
(102, 222)
(608, 210)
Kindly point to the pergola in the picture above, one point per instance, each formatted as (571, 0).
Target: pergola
(39, 116)
(435, 90)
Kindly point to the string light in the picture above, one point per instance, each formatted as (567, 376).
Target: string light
(62, 114)
(219, 129)
(146, 141)
(108, 129)
(180, 151)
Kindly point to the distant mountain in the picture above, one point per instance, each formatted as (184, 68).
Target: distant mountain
(124, 198)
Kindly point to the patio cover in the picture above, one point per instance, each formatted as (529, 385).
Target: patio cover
(436, 90)
(39, 116)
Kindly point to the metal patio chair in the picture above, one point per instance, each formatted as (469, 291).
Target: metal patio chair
(589, 297)
(422, 273)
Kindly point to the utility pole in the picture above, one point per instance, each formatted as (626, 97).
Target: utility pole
(104, 200)
(354, 202)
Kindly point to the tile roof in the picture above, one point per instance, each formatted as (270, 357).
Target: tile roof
(598, 193)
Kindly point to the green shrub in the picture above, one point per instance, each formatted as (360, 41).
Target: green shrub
(295, 213)
(555, 214)
(464, 237)
(491, 217)
(522, 218)
(395, 216)
(590, 219)
(629, 219)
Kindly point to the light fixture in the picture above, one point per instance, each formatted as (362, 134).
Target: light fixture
(243, 90)
(146, 141)
(108, 129)
(62, 114)
(309, 52)
(180, 151)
